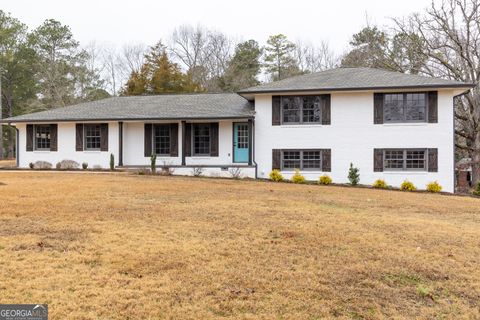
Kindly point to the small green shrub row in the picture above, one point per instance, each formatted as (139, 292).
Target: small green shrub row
(354, 178)
(297, 177)
(407, 186)
(380, 184)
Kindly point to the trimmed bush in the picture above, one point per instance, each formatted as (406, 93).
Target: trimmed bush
(407, 186)
(31, 165)
(84, 166)
(380, 184)
(325, 180)
(153, 163)
(298, 177)
(434, 187)
(68, 164)
(42, 165)
(276, 176)
(112, 162)
(58, 166)
(353, 175)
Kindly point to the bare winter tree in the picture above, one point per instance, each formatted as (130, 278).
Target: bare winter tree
(204, 54)
(94, 69)
(131, 58)
(189, 46)
(219, 52)
(451, 35)
(113, 70)
(312, 58)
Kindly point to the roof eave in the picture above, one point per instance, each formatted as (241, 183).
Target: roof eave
(467, 86)
(11, 120)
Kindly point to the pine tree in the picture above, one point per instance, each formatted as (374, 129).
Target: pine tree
(353, 175)
(279, 59)
(243, 68)
(159, 75)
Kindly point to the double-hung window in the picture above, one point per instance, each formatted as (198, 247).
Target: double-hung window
(92, 137)
(201, 139)
(405, 159)
(405, 107)
(302, 160)
(301, 109)
(42, 137)
(161, 139)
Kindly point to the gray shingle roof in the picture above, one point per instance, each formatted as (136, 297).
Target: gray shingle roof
(353, 79)
(182, 106)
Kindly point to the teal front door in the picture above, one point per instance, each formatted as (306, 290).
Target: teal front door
(240, 142)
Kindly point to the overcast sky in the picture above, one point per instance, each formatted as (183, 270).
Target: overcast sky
(116, 22)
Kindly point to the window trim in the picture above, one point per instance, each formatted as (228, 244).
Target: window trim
(209, 154)
(35, 144)
(85, 125)
(154, 151)
(404, 94)
(301, 122)
(282, 167)
(404, 160)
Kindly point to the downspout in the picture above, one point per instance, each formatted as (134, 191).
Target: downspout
(17, 147)
(253, 149)
(120, 144)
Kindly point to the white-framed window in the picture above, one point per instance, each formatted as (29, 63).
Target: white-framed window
(201, 139)
(302, 160)
(301, 109)
(92, 137)
(405, 107)
(42, 136)
(405, 159)
(161, 139)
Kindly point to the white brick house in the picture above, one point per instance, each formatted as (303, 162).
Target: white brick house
(390, 125)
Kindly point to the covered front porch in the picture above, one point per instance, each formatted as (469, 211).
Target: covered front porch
(214, 147)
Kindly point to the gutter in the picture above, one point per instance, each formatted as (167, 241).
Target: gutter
(17, 147)
(9, 121)
(253, 151)
(334, 89)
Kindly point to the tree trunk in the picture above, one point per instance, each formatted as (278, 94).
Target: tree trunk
(1, 117)
(10, 139)
(475, 155)
(1, 139)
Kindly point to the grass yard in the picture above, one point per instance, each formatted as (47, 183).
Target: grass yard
(7, 163)
(124, 246)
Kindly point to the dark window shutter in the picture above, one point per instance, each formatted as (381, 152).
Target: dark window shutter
(377, 160)
(326, 160)
(432, 160)
(29, 137)
(53, 137)
(276, 159)
(214, 139)
(276, 111)
(104, 137)
(147, 149)
(79, 137)
(433, 107)
(188, 140)
(326, 109)
(174, 140)
(378, 108)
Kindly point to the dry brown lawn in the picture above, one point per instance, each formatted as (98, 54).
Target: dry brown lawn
(124, 246)
(7, 163)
